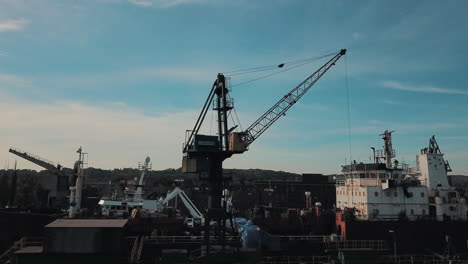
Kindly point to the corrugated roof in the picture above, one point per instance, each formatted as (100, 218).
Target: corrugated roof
(85, 223)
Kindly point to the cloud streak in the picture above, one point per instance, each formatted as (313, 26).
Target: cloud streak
(13, 25)
(115, 134)
(421, 88)
(161, 3)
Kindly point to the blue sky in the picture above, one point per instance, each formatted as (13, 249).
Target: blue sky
(126, 78)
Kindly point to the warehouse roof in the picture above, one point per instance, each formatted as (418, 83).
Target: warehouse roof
(88, 223)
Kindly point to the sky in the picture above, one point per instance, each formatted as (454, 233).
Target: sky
(126, 78)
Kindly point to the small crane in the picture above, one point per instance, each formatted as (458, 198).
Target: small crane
(204, 154)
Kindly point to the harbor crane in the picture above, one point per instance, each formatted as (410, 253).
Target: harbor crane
(75, 176)
(64, 175)
(204, 154)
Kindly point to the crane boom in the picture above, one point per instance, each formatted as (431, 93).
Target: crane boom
(44, 163)
(283, 105)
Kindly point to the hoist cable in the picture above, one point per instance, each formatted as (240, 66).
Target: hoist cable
(271, 74)
(276, 65)
(349, 119)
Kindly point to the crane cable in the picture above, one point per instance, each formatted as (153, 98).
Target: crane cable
(297, 63)
(271, 74)
(268, 67)
(349, 119)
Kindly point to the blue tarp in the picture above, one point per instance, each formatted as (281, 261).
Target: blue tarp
(253, 237)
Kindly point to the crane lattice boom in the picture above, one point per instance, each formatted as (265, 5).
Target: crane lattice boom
(283, 105)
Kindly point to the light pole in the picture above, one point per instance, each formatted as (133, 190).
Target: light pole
(259, 239)
(394, 244)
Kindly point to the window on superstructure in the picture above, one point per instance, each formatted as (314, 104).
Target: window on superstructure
(423, 211)
(412, 212)
(422, 194)
(395, 194)
(376, 194)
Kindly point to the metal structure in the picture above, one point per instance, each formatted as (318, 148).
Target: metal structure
(387, 153)
(76, 190)
(75, 179)
(177, 192)
(14, 179)
(434, 149)
(143, 167)
(204, 154)
(53, 167)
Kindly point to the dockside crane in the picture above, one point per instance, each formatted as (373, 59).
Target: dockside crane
(63, 174)
(204, 154)
(51, 166)
(73, 179)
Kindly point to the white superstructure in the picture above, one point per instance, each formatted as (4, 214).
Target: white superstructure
(381, 194)
(132, 200)
(380, 191)
(445, 203)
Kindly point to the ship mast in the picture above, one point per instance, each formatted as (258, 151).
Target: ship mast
(76, 190)
(388, 152)
(143, 166)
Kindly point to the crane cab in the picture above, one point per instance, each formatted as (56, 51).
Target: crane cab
(238, 142)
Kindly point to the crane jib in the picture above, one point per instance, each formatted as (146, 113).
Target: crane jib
(287, 101)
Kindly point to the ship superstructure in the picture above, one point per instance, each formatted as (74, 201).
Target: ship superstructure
(132, 200)
(445, 203)
(384, 190)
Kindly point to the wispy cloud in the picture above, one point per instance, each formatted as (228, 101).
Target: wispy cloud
(13, 24)
(161, 3)
(103, 130)
(2, 53)
(421, 88)
(182, 73)
(13, 80)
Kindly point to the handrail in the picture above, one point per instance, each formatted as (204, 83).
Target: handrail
(20, 244)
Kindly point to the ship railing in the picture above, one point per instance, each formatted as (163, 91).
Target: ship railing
(324, 239)
(297, 259)
(185, 239)
(9, 254)
(55, 164)
(378, 245)
(426, 259)
(370, 182)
